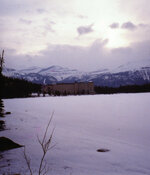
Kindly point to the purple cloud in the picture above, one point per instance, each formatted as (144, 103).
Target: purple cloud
(94, 57)
(114, 25)
(41, 10)
(85, 29)
(143, 25)
(25, 21)
(82, 17)
(129, 26)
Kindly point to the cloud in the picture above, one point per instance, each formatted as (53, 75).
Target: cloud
(129, 26)
(82, 16)
(52, 22)
(144, 25)
(114, 25)
(13, 60)
(25, 21)
(58, 28)
(139, 9)
(48, 26)
(94, 57)
(82, 58)
(136, 52)
(85, 29)
(41, 10)
(8, 8)
(16, 7)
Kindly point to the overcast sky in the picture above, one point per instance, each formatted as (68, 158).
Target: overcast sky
(81, 34)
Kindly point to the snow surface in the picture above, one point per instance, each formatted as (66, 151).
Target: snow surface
(60, 73)
(33, 69)
(82, 124)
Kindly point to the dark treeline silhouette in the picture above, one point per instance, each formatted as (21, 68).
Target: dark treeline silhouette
(1, 108)
(13, 87)
(2, 122)
(1, 62)
(122, 89)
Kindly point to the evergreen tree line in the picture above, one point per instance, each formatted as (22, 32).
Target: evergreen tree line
(13, 87)
(122, 89)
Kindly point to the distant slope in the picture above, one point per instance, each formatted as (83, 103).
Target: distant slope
(129, 74)
(132, 77)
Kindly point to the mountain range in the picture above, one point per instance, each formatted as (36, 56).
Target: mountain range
(128, 74)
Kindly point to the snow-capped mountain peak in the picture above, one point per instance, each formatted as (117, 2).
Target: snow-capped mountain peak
(123, 75)
(131, 66)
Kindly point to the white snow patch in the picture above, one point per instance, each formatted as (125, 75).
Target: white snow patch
(82, 124)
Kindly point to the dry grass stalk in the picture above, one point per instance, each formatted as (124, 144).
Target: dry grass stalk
(46, 145)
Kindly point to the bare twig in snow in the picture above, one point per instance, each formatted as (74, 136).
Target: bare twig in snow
(46, 144)
(27, 159)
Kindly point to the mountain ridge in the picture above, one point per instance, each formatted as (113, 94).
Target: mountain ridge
(123, 75)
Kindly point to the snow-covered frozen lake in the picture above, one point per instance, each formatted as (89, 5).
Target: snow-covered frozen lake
(83, 124)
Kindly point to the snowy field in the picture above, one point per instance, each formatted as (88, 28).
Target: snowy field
(83, 124)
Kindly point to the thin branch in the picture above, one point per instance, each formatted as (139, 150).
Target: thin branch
(46, 171)
(44, 167)
(41, 163)
(47, 128)
(46, 146)
(28, 162)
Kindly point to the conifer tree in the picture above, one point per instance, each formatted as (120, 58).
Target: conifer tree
(1, 62)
